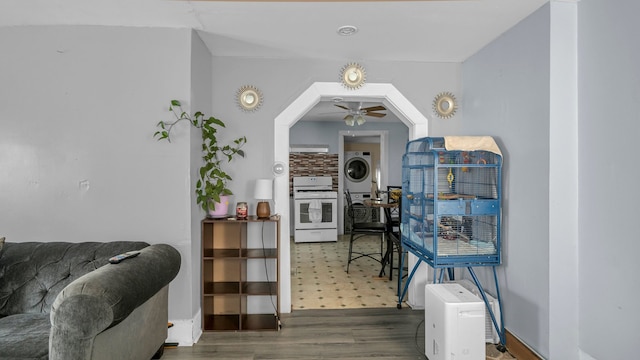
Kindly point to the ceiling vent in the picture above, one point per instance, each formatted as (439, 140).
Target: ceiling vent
(309, 148)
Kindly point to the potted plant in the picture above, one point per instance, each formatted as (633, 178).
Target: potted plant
(211, 188)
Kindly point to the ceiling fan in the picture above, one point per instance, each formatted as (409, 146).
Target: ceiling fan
(356, 116)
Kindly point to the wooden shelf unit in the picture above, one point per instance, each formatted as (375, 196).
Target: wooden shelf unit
(228, 282)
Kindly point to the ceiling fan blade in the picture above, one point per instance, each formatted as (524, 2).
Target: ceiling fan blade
(374, 108)
(342, 107)
(378, 115)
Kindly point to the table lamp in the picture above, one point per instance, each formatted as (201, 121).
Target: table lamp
(263, 193)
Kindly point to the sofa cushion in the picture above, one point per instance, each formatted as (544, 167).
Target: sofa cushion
(34, 273)
(24, 336)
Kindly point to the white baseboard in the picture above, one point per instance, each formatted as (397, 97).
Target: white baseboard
(185, 332)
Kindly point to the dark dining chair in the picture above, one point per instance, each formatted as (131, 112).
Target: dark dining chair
(392, 223)
(394, 194)
(360, 229)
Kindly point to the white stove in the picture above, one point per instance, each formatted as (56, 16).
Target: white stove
(315, 208)
(310, 187)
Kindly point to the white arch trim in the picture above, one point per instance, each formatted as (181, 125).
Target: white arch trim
(393, 100)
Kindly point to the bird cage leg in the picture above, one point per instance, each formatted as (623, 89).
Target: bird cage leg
(406, 284)
(499, 328)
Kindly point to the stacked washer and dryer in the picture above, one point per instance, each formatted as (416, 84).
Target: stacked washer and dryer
(358, 174)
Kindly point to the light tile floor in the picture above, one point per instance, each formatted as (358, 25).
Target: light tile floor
(320, 279)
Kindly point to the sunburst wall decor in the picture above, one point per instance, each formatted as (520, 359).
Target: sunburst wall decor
(445, 105)
(353, 75)
(249, 98)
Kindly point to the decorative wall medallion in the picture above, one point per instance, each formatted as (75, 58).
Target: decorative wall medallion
(353, 75)
(445, 105)
(249, 98)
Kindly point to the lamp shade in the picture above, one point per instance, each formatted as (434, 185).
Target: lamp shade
(264, 189)
(349, 120)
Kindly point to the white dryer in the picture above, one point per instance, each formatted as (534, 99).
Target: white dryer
(357, 171)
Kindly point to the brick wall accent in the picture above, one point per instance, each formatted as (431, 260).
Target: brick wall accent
(302, 164)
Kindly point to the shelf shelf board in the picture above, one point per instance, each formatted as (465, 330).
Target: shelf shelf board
(221, 288)
(220, 253)
(259, 288)
(231, 220)
(222, 322)
(260, 253)
(259, 322)
(209, 254)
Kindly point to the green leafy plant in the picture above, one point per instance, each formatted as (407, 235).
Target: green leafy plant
(213, 180)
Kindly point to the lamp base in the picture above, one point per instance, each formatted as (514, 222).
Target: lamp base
(263, 211)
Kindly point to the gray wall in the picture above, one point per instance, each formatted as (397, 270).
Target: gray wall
(609, 54)
(543, 93)
(77, 153)
(506, 95)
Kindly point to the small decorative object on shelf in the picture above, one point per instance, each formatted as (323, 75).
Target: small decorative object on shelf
(241, 210)
(218, 209)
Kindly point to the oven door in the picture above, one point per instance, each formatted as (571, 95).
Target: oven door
(316, 213)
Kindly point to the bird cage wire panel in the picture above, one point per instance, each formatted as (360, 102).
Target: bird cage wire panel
(451, 204)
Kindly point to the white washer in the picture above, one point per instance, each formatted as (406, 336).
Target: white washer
(357, 171)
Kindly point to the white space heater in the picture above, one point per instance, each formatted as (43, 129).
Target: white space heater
(454, 323)
(492, 336)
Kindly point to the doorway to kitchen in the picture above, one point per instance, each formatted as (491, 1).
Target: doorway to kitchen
(386, 94)
(319, 278)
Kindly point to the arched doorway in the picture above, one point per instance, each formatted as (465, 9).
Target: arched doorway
(324, 91)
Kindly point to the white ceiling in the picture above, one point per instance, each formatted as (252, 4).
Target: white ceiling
(436, 30)
(423, 31)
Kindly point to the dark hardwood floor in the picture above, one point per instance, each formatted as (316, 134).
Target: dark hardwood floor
(384, 333)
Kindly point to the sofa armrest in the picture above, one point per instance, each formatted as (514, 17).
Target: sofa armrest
(105, 297)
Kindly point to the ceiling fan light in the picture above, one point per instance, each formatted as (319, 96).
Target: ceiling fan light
(360, 119)
(349, 120)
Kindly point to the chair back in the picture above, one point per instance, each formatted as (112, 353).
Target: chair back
(392, 192)
(394, 213)
(350, 212)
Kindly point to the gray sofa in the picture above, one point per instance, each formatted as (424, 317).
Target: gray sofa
(65, 301)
